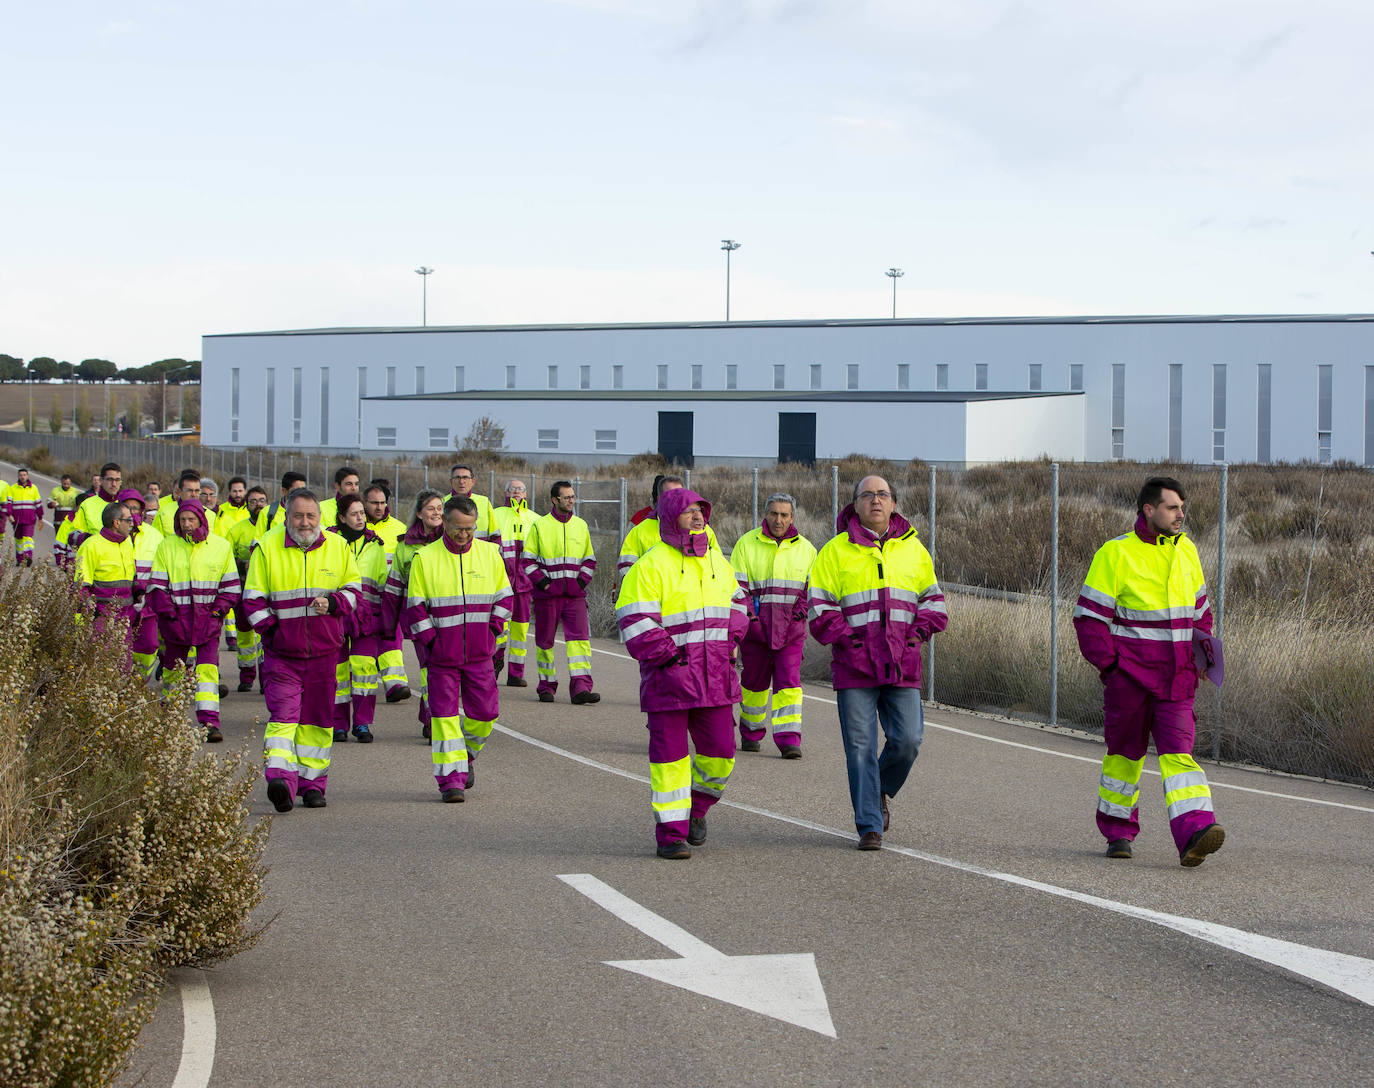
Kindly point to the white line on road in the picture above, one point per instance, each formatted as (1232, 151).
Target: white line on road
(1081, 759)
(1352, 975)
(198, 1030)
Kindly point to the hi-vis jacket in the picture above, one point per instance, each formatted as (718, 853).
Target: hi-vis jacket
(87, 520)
(457, 601)
(773, 574)
(389, 530)
(242, 537)
(25, 508)
(643, 537)
(407, 548)
(194, 583)
(487, 527)
(874, 602)
(514, 523)
(369, 555)
(146, 541)
(283, 578)
(106, 567)
(559, 560)
(682, 614)
(1143, 598)
(228, 515)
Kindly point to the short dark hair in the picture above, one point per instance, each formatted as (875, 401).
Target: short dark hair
(455, 468)
(346, 503)
(188, 474)
(66, 475)
(344, 472)
(235, 480)
(1154, 489)
(559, 485)
(290, 477)
(256, 487)
(659, 481)
(108, 467)
(111, 511)
(379, 485)
(460, 504)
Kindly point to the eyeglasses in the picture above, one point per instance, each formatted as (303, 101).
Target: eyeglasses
(124, 519)
(868, 496)
(460, 476)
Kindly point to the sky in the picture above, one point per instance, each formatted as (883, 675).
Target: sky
(178, 169)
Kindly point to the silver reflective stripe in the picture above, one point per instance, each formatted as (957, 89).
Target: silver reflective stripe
(1115, 785)
(1097, 597)
(861, 618)
(310, 773)
(454, 744)
(710, 634)
(663, 797)
(310, 751)
(1080, 612)
(863, 596)
(1109, 808)
(293, 613)
(279, 762)
(1190, 804)
(1153, 634)
(635, 607)
(1184, 779)
(1180, 612)
(819, 594)
(634, 630)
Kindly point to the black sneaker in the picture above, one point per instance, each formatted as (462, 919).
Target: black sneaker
(583, 698)
(696, 830)
(1204, 842)
(1119, 848)
(363, 733)
(398, 694)
(313, 798)
(749, 746)
(279, 793)
(675, 851)
(452, 796)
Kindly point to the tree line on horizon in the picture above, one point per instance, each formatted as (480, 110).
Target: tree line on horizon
(44, 368)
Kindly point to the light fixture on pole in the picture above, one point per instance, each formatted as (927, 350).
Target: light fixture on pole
(424, 273)
(894, 274)
(729, 245)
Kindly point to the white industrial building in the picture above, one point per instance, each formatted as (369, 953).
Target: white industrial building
(1203, 389)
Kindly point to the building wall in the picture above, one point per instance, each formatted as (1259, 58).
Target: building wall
(1295, 350)
(1023, 429)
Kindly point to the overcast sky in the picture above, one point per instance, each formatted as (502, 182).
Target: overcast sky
(172, 169)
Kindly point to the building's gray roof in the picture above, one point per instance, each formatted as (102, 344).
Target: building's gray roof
(1120, 319)
(941, 396)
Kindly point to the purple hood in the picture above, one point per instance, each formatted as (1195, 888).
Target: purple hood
(202, 531)
(671, 504)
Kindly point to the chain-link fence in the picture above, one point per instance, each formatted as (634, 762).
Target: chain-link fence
(1286, 549)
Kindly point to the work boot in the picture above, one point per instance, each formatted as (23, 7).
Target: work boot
(399, 694)
(1119, 848)
(279, 793)
(696, 830)
(517, 682)
(213, 735)
(749, 746)
(1204, 842)
(789, 751)
(675, 851)
(363, 733)
(546, 696)
(245, 686)
(341, 736)
(224, 691)
(870, 840)
(583, 698)
(313, 798)
(453, 796)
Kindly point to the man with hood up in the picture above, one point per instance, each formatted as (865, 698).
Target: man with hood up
(193, 585)
(682, 615)
(644, 535)
(144, 638)
(874, 602)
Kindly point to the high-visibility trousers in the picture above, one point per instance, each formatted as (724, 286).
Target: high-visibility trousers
(771, 683)
(391, 664)
(175, 655)
(571, 612)
(463, 707)
(1132, 717)
(300, 710)
(517, 636)
(683, 784)
(356, 681)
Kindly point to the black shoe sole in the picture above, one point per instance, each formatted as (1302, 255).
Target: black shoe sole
(452, 797)
(279, 793)
(516, 683)
(674, 852)
(397, 696)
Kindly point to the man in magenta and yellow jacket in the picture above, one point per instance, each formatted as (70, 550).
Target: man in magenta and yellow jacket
(458, 600)
(302, 585)
(560, 561)
(874, 602)
(682, 615)
(1143, 599)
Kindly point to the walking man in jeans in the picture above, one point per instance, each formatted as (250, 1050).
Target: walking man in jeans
(874, 601)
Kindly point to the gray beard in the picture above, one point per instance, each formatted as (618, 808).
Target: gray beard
(302, 540)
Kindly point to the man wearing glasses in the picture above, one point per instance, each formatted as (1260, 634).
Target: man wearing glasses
(514, 520)
(87, 521)
(461, 479)
(874, 601)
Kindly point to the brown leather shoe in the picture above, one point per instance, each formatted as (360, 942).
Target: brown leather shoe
(870, 840)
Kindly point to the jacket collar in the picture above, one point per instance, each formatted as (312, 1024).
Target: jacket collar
(1149, 536)
(848, 523)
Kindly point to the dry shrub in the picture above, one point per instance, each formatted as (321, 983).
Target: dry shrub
(126, 847)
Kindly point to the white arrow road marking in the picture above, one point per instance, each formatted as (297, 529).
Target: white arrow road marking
(198, 1030)
(785, 987)
(1352, 975)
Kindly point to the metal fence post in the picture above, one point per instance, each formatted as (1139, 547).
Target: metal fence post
(426, 475)
(756, 498)
(1221, 600)
(1054, 593)
(491, 482)
(577, 491)
(930, 675)
(623, 496)
(834, 497)
(687, 478)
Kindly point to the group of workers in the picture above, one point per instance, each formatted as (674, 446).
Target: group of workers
(318, 596)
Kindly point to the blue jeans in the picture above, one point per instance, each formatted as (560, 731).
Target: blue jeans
(871, 774)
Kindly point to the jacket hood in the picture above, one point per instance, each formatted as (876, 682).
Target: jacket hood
(848, 522)
(132, 494)
(418, 534)
(671, 504)
(201, 531)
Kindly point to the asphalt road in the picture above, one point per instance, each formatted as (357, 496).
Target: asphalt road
(416, 943)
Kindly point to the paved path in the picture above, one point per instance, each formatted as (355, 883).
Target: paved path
(416, 943)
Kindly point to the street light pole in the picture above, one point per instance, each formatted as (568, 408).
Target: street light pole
(424, 273)
(895, 274)
(729, 245)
